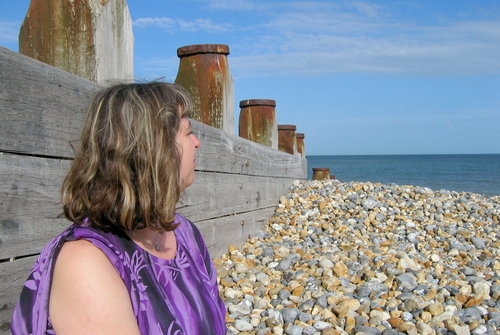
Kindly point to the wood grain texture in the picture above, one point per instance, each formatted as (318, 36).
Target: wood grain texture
(223, 152)
(31, 214)
(235, 229)
(214, 195)
(41, 108)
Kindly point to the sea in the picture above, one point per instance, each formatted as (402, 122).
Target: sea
(478, 173)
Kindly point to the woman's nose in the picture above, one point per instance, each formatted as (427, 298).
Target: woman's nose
(197, 142)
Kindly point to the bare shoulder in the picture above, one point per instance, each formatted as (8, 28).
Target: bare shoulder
(87, 295)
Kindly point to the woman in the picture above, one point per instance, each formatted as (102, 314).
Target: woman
(129, 264)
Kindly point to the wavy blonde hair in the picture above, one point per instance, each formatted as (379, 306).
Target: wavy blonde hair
(126, 174)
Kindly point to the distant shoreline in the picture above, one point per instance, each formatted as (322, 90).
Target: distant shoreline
(476, 173)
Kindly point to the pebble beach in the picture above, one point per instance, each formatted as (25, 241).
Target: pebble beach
(367, 258)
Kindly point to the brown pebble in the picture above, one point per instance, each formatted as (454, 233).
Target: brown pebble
(343, 308)
(394, 322)
(329, 331)
(232, 248)
(461, 298)
(355, 280)
(226, 283)
(297, 292)
(473, 302)
(431, 294)
(474, 324)
(426, 316)
(350, 323)
(406, 327)
(435, 309)
(340, 269)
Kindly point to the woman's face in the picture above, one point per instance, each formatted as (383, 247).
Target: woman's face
(189, 144)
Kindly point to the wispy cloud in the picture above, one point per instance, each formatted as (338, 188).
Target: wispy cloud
(205, 25)
(360, 38)
(314, 38)
(161, 22)
(371, 10)
(232, 5)
(173, 25)
(9, 31)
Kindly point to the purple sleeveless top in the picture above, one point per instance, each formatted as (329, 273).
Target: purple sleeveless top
(177, 296)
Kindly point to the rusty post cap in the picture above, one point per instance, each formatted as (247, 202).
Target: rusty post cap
(321, 169)
(257, 102)
(300, 135)
(286, 127)
(189, 50)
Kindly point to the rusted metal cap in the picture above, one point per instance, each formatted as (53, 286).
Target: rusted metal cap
(189, 50)
(299, 135)
(257, 102)
(321, 169)
(286, 127)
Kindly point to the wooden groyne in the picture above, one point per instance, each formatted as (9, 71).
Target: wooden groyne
(42, 109)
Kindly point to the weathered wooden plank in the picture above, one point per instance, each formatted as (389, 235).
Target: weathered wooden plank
(235, 229)
(12, 277)
(223, 152)
(214, 195)
(30, 212)
(41, 107)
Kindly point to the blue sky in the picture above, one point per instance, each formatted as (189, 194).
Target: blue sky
(357, 77)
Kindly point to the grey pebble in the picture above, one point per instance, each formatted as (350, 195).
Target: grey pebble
(294, 330)
(290, 314)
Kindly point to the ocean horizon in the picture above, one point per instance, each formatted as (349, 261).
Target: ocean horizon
(475, 173)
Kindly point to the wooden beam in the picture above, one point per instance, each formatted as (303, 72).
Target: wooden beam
(235, 229)
(223, 152)
(215, 195)
(31, 214)
(41, 108)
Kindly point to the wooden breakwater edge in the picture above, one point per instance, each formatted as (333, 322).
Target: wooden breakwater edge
(42, 108)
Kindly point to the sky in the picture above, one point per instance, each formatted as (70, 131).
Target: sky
(356, 77)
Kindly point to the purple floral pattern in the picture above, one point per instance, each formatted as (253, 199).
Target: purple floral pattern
(175, 297)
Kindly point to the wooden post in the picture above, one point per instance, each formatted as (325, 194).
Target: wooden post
(258, 123)
(301, 149)
(204, 73)
(92, 39)
(286, 138)
(321, 173)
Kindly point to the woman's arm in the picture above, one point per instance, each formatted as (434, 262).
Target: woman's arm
(88, 296)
